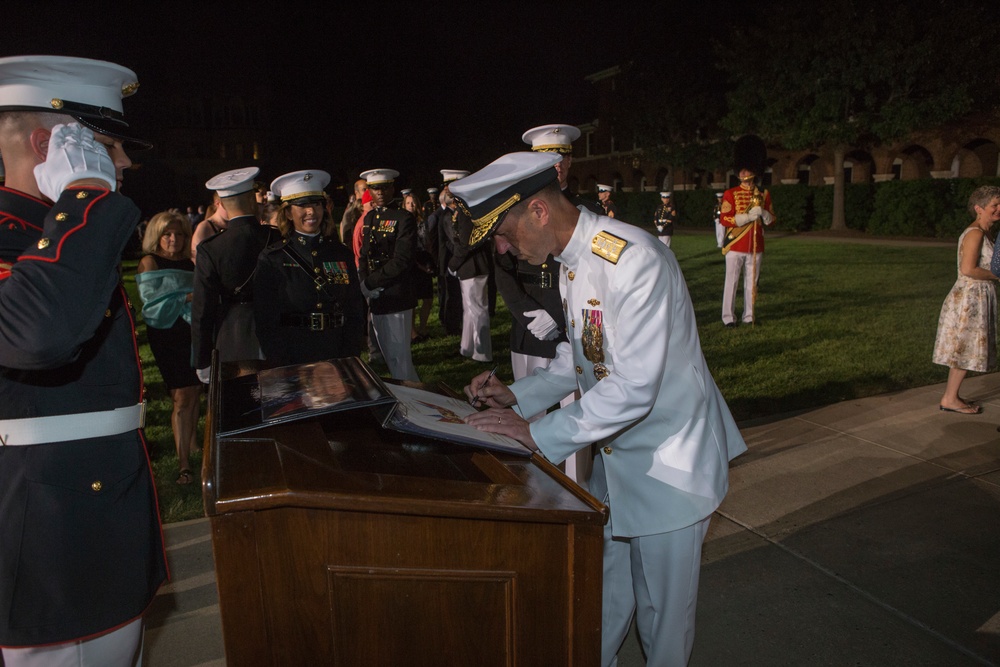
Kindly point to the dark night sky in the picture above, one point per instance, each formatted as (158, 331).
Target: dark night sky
(413, 86)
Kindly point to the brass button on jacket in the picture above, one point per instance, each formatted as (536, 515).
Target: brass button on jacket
(607, 450)
(97, 486)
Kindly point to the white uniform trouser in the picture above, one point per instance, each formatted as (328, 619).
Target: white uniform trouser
(476, 342)
(665, 240)
(737, 263)
(579, 465)
(121, 648)
(655, 577)
(392, 332)
(720, 233)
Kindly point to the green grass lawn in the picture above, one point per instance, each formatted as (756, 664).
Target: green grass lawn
(835, 321)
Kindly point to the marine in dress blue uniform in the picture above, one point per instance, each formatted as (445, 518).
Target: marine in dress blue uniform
(385, 268)
(449, 287)
(432, 201)
(307, 299)
(720, 230)
(472, 267)
(664, 218)
(222, 315)
(81, 553)
(531, 292)
(662, 432)
(609, 208)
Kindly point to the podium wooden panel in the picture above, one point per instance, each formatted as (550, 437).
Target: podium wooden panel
(338, 542)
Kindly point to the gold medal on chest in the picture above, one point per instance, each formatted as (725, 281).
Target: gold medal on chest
(592, 340)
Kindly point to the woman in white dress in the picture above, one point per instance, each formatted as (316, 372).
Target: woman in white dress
(966, 334)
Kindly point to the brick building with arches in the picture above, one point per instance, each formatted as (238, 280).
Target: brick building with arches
(963, 149)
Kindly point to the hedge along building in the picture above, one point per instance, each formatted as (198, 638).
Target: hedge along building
(964, 149)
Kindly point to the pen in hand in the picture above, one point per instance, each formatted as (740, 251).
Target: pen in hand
(475, 398)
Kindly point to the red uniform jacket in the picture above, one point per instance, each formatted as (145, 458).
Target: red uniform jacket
(737, 200)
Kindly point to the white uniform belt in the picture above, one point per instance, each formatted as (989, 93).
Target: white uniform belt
(62, 428)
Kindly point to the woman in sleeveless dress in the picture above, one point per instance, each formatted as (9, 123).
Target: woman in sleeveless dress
(966, 334)
(165, 278)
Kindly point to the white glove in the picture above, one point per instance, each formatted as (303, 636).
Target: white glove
(542, 326)
(741, 219)
(755, 213)
(204, 374)
(73, 156)
(768, 217)
(452, 273)
(370, 293)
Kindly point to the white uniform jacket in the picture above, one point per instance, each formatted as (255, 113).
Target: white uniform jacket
(664, 433)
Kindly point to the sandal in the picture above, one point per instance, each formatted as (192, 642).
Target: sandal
(966, 410)
(185, 477)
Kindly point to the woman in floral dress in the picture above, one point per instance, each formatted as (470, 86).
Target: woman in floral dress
(966, 334)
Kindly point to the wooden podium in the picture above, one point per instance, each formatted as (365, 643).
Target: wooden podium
(338, 542)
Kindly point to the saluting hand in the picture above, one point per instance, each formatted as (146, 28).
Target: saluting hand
(73, 155)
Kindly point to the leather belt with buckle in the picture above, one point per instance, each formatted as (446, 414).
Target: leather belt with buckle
(313, 321)
(543, 279)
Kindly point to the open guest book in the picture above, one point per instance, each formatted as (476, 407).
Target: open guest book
(289, 393)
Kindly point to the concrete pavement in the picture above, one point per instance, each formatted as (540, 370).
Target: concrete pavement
(862, 533)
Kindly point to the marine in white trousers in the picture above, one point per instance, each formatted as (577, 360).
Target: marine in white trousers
(740, 263)
(476, 343)
(119, 648)
(392, 332)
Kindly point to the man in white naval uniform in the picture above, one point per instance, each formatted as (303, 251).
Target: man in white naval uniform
(663, 433)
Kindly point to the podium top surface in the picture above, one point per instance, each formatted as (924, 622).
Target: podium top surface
(347, 461)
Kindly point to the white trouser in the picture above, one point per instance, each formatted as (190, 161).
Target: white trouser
(121, 648)
(392, 332)
(476, 342)
(720, 233)
(737, 263)
(578, 466)
(656, 578)
(665, 240)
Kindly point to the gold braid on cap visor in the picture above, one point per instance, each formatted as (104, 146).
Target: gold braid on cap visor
(563, 149)
(481, 227)
(300, 195)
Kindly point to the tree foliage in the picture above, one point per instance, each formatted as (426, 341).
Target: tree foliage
(671, 96)
(857, 72)
(673, 115)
